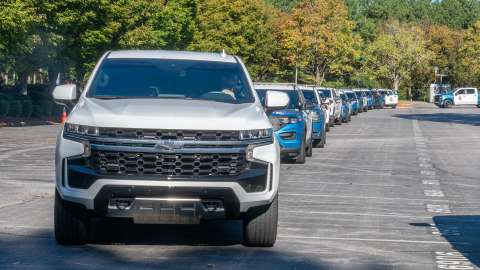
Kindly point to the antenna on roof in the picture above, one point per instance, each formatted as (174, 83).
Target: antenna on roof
(224, 54)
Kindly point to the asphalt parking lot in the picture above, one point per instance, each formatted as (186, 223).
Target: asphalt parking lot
(393, 189)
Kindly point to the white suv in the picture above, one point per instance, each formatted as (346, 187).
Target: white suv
(167, 137)
(335, 103)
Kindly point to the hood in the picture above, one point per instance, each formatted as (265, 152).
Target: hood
(168, 114)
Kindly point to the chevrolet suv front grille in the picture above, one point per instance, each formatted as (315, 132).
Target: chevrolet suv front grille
(170, 164)
(169, 134)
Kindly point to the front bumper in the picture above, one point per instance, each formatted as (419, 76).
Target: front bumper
(233, 189)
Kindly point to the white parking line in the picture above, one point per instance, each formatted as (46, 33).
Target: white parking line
(433, 193)
(452, 260)
(430, 182)
(439, 208)
(357, 197)
(372, 239)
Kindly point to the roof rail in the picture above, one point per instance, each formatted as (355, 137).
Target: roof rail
(274, 83)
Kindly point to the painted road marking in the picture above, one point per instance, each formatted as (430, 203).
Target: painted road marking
(427, 172)
(299, 237)
(430, 182)
(433, 193)
(426, 165)
(445, 230)
(452, 260)
(439, 208)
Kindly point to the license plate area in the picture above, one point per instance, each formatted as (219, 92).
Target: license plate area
(158, 211)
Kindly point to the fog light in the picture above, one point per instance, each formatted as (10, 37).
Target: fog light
(249, 153)
(87, 150)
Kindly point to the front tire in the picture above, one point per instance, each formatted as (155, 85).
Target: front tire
(260, 226)
(309, 151)
(300, 159)
(447, 104)
(71, 222)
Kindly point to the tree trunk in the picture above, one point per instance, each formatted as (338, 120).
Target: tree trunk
(23, 83)
(319, 75)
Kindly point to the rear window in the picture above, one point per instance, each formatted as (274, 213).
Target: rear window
(167, 78)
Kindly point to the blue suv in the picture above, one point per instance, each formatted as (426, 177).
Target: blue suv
(318, 116)
(352, 98)
(292, 125)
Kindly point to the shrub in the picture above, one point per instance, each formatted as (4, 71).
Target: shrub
(4, 107)
(15, 108)
(27, 108)
(47, 107)
(37, 111)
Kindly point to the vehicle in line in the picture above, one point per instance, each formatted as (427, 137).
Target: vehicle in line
(318, 115)
(167, 137)
(379, 99)
(293, 125)
(363, 98)
(459, 96)
(370, 99)
(335, 106)
(391, 98)
(352, 98)
(346, 108)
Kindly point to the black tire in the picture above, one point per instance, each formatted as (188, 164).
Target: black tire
(339, 122)
(300, 159)
(394, 106)
(260, 226)
(71, 222)
(327, 127)
(447, 104)
(309, 150)
(323, 141)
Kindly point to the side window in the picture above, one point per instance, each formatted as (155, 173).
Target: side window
(460, 92)
(470, 91)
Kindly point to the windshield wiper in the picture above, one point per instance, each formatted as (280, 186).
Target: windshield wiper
(109, 97)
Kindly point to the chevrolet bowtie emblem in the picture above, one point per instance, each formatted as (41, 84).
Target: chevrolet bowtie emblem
(169, 145)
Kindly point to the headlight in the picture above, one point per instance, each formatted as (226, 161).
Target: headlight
(256, 134)
(75, 129)
(287, 120)
(315, 116)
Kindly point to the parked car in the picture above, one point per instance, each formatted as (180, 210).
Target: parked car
(391, 99)
(335, 106)
(363, 104)
(459, 96)
(167, 137)
(370, 99)
(379, 98)
(346, 108)
(318, 114)
(293, 125)
(352, 98)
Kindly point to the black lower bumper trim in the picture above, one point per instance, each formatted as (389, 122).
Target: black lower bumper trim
(226, 195)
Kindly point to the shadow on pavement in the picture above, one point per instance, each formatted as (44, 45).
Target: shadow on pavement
(463, 233)
(454, 118)
(35, 251)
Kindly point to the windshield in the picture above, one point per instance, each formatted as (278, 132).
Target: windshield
(293, 95)
(343, 97)
(166, 78)
(351, 95)
(325, 93)
(310, 96)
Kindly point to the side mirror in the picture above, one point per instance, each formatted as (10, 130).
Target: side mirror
(275, 100)
(65, 94)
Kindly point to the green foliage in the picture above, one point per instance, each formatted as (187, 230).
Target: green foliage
(239, 27)
(4, 107)
(27, 108)
(15, 108)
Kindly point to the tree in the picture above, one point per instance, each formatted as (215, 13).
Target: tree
(319, 37)
(397, 52)
(20, 43)
(240, 27)
(467, 71)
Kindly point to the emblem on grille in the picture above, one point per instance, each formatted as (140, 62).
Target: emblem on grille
(169, 145)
